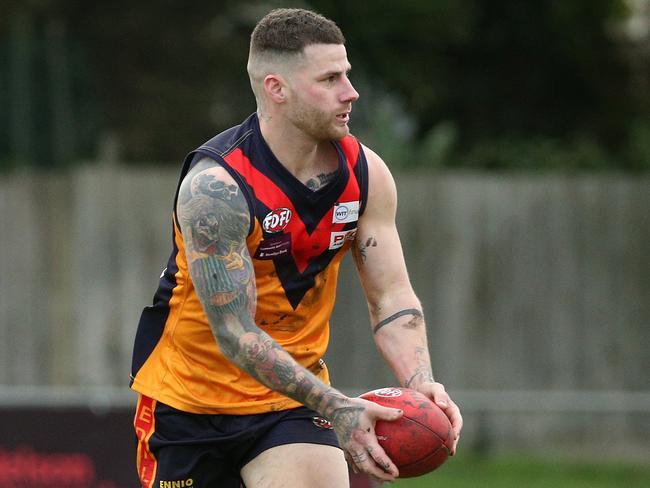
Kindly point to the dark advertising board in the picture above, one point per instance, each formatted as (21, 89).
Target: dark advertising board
(73, 447)
(66, 448)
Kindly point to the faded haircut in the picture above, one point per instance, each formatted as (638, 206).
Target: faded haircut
(289, 30)
(279, 39)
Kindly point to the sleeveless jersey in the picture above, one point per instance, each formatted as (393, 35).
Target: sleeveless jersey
(296, 240)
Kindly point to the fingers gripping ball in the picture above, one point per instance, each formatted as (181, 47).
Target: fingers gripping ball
(421, 439)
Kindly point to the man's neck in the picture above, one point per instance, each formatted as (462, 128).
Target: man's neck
(303, 157)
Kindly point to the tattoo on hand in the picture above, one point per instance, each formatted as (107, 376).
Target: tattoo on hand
(346, 421)
(415, 322)
(359, 457)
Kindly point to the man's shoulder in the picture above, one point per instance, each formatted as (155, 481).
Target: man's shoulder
(380, 179)
(225, 142)
(375, 162)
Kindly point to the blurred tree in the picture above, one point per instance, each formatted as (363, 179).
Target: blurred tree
(163, 75)
(465, 82)
(50, 114)
(168, 73)
(498, 69)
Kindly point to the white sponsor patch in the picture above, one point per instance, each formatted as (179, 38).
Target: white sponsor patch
(337, 239)
(345, 212)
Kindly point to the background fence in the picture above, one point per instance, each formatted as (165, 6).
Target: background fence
(536, 291)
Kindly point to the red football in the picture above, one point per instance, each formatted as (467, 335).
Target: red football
(420, 440)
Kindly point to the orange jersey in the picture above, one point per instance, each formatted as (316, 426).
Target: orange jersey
(297, 239)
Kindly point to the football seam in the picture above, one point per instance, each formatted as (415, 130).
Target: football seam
(442, 446)
(424, 457)
(432, 431)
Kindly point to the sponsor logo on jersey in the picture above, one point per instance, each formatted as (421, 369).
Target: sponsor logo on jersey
(337, 239)
(274, 247)
(177, 483)
(322, 423)
(276, 220)
(389, 392)
(345, 212)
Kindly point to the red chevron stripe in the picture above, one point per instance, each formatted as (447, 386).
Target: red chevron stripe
(273, 197)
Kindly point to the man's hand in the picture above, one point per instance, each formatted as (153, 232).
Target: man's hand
(354, 424)
(436, 391)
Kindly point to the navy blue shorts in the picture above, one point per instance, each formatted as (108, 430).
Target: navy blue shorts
(180, 449)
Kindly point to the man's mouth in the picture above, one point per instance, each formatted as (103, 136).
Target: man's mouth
(344, 117)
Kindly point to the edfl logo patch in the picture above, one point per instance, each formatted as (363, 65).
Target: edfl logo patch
(276, 220)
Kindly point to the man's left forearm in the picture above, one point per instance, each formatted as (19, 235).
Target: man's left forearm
(401, 338)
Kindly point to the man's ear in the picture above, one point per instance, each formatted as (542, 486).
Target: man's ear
(275, 88)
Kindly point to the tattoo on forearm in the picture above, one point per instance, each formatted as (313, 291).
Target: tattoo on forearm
(254, 351)
(267, 362)
(422, 371)
(411, 324)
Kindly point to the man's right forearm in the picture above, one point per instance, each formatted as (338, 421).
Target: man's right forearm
(255, 352)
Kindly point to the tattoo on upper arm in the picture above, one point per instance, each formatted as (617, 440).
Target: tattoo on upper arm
(411, 324)
(214, 220)
(362, 246)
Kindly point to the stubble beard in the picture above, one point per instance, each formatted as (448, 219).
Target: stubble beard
(317, 124)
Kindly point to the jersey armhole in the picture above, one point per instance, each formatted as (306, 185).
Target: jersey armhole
(195, 156)
(361, 172)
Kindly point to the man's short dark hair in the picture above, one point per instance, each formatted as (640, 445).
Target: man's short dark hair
(285, 30)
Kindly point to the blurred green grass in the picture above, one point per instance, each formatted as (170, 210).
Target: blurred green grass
(519, 472)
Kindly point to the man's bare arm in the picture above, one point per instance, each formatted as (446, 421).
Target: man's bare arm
(395, 312)
(214, 219)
